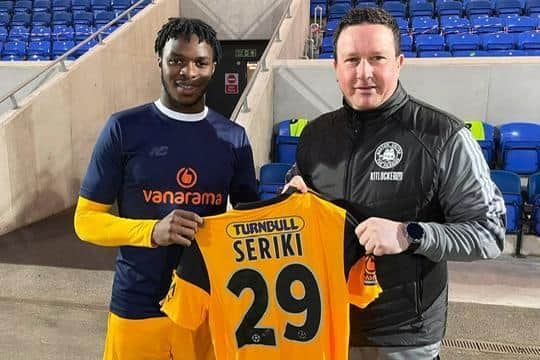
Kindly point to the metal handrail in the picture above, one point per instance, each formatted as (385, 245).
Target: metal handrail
(242, 104)
(98, 34)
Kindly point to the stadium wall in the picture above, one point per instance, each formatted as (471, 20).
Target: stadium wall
(45, 145)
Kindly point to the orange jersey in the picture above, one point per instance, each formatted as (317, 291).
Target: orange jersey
(275, 279)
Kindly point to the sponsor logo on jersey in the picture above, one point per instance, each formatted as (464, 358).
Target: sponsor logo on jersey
(187, 178)
(387, 156)
(370, 275)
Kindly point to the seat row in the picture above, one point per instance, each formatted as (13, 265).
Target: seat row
(48, 6)
(57, 32)
(42, 50)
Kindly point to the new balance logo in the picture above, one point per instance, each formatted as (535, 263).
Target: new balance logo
(159, 151)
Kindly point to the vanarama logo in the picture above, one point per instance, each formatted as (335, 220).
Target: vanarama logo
(187, 178)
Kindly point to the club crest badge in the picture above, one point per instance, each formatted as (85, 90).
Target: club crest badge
(388, 155)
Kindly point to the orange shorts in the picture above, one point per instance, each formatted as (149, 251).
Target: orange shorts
(155, 339)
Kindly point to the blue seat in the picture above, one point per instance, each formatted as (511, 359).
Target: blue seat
(80, 5)
(327, 44)
(520, 23)
(336, 11)
(409, 54)
(469, 53)
(62, 18)
(62, 33)
(520, 147)
(509, 184)
(61, 5)
(103, 18)
(60, 47)
(6, 7)
(497, 41)
(326, 55)
(478, 7)
(24, 6)
(529, 40)
(420, 9)
(20, 33)
(424, 25)
(120, 4)
(272, 179)
(533, 195)
(20, 19)
(82, 31)
(317, 9)
(100, 6)
(41, 19)
(40, 32)
(330, 27)
(447, 8)
(108, 31)
(453, 25)
(487, 24)
(14, 50)
(508, 52)
(87, 46)
(464, 41)
(396, 8)
(403, 25)
(368, 4)
(38, 50)
(288, 133)
(429, 42)
(406, 42)
(42, 6)
(5, 19)
(3, 33)
(508, 7)
(532, 7)
(484, 134)
(83, 18)
(533, 52)
(433, 54)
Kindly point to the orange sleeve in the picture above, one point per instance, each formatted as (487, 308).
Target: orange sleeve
(94, 223)
(362, 282)
(186, 304)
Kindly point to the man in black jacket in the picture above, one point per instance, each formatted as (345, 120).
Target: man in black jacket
(416, 179)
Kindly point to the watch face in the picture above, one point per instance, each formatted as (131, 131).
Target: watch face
(415, 231)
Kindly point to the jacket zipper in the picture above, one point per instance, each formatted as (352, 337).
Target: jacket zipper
(357, 132)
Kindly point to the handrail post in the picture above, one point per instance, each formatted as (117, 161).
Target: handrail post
(288, 16)
(278, 38)
(63, 67)
(245, 106)
(14, 101)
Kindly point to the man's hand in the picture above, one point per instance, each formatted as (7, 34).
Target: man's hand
(298, 183)
(178, 227)
(382, 236)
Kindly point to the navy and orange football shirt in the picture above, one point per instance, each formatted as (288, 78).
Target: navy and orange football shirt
(275, 280)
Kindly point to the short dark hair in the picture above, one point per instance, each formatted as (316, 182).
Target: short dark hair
(186, 28)
(357, 16)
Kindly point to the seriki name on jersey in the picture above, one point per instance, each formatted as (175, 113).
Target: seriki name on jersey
(267, 238)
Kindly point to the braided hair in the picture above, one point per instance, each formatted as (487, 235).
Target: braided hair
(185, 27)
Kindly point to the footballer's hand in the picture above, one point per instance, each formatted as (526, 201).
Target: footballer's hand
(382, 236)
(178, 227)
(296, 182)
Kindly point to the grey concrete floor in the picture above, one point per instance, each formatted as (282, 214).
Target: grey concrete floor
(54, 291)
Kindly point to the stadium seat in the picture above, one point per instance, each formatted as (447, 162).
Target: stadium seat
(532, 7)
(490, 24)
(448, 8)
(336, 11)
(21, 19)
(406, 42)
(80, 5)
(455, 25)
(533, 194)
(510, 185)
(83, 49)
(420, 9)
(429, 42)
(317, 9)
(62, 33)
(20, 33)
(272, 179)
(396, 8)
(520, 147)
(403, 24)
(40, 32)
(41, 19)
(484, 134)
(327, 44)
(533, 52)
(41, 6)
(520, 23)
(103, 18)
(368, 4)
(5, 19)
(330, 27)
(288, 133)
(505, 7)
(529, 40)
(424, 25)
(61, 5)
(3, 34)
(62, 18)
(100, 6)
(433, 54)
(464, 41)
(39, 50)
(61, 47)
(326, 55)
(83, 18)
(120, 4)
(6, 7)
(409, 54)
(14, 50)
(508, 52)
(478, 7)
(23, 6)
(497, 41)
(82, 32)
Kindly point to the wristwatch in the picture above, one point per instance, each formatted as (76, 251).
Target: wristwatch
(415, 235)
